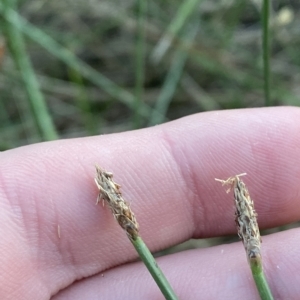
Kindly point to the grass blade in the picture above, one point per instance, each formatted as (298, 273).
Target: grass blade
(140, 60)
(82, 101)
(35, 97)
(173, 77)
(266, 49)
(184, 12)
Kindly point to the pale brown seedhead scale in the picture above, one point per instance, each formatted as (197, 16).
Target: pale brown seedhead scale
(245, 217)
(109, 192)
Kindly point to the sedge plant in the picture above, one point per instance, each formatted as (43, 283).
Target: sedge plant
(266, 49)
(248, 231)
(109, 192)
(17, 47)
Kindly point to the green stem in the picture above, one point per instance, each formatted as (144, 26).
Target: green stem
(183, 14)
(140, 60)
(173, 77)
(37, 102)
(260, 280)
(153, 268)
(82, 101)
(266, 50)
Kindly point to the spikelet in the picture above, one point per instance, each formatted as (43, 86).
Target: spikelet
(245, 217)
(109, 193)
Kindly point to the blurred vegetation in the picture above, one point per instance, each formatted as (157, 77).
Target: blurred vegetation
(111, 66)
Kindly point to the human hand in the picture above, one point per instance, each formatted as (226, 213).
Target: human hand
(167, 174)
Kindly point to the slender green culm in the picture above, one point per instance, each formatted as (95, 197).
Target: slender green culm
(140, 60)
(35, 97)
(266, 50)
(260, 280)
(83, 104)
(173, 77)
(153, 268)
(248, 231)
(109, 193)
(185, 10)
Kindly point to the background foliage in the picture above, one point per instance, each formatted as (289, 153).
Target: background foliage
(177, 57)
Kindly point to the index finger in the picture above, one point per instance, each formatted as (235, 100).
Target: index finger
(167, 174)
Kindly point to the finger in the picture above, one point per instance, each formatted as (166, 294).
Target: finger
(166, 172)
(219, 272)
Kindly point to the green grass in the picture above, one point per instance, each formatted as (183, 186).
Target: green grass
(266, 50)
(115, 66)
(140, 60)
(173, 76)
(15, 42)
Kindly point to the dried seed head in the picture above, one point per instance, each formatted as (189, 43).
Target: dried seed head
(109, 192)
(245, 217)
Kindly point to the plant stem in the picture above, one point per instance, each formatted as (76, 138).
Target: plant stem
(248, 231)
(35, 97)
(153, 268)
(260, 280)
(266, 50)
(185, 10)
(173, 77)
(140, 60)
(109, 191)
(82, 102)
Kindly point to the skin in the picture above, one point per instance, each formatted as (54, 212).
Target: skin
(167, 174)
